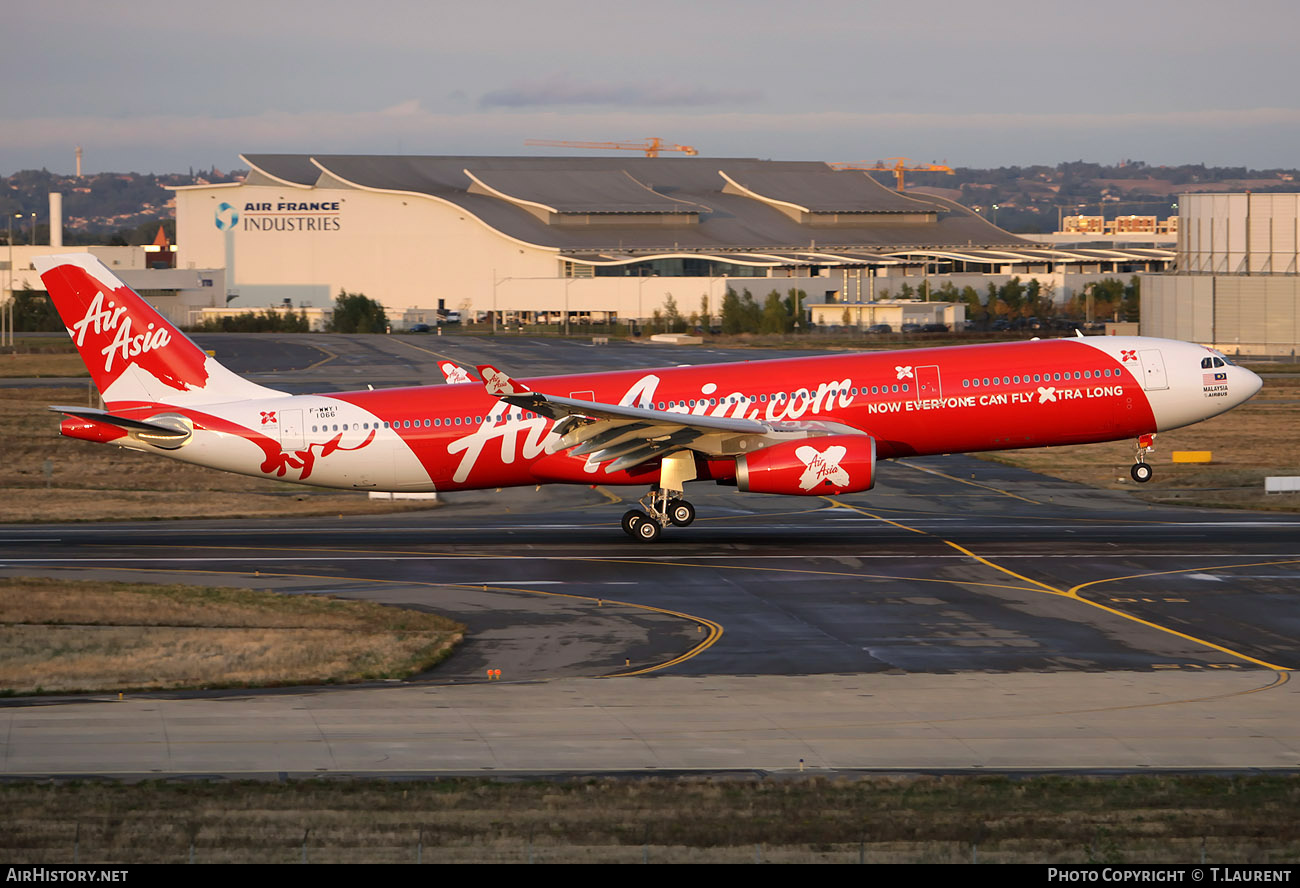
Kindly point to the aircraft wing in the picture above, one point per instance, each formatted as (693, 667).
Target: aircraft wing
(627, 436)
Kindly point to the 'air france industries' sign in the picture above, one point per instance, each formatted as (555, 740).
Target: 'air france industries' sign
(281, 216)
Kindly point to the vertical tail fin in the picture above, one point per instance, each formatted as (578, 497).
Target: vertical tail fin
(132, 352)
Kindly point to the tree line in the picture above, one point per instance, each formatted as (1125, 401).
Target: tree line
(353, 313)
(778, 314)
(1111, 298)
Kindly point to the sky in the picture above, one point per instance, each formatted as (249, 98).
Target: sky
(161, 87)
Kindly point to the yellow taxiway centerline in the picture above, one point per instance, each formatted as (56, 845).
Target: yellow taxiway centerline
(1073, 592)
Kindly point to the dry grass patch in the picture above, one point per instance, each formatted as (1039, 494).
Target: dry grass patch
(60, 636)
(1148, 818)
(1248, 443)
(15, 365)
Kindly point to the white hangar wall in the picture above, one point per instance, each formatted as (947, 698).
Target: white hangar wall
(402, 250)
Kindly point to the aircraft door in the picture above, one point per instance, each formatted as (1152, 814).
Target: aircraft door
(291, 430)
(1153, 370)
(928, 386)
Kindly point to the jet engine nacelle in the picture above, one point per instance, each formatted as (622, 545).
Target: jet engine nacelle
(810, 466)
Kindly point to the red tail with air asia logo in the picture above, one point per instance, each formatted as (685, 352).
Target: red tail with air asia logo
(133, 353)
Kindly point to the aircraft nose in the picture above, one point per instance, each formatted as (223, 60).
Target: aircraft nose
(1250, 383)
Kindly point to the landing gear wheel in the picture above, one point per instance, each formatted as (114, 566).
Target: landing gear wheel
(1141, 472)
(681, 513)
(631, 518)
(647, 530)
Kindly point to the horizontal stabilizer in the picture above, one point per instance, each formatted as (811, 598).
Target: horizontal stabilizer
(169, 436)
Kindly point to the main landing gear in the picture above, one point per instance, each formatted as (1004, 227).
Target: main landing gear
(662, 507)
(1142, 472)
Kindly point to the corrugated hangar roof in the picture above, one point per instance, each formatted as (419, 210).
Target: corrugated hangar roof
(820, 189)
(580, 191)
(717, 220)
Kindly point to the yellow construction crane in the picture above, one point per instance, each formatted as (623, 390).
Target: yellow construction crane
(898, 168)
(651, 146)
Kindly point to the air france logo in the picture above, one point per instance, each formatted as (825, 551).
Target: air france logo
(227, 217)
(822, 466)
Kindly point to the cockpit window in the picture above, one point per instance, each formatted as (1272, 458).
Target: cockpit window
(1207, 363)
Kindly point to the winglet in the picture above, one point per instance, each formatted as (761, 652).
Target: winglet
(454, 373)
(498, 384)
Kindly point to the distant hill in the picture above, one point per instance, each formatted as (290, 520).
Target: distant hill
(1033, 199)
(128, 207)
(124, 208)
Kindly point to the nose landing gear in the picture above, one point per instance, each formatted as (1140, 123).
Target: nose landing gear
(1142, 472)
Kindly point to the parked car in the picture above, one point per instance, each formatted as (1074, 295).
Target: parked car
(934, 328)
(418, 328)
(880, 328)
(911, 328)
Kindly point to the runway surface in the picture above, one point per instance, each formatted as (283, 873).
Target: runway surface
(961, 615)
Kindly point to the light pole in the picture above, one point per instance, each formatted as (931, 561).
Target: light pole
(12, 217)
(566, 305)
(7, 321)
(495, 281)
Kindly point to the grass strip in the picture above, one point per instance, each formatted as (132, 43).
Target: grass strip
(59, 636)
(876, 819)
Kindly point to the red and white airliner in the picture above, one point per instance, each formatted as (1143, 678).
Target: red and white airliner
(796, 426)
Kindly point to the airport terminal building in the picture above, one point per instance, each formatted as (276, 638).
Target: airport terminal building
(536, 239)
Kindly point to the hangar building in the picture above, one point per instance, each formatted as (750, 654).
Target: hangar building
(544, 238)
(1236, 278)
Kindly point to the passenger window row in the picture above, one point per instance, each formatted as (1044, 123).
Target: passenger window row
(1022, 379)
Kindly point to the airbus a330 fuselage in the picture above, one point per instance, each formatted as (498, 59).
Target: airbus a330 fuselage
(798, 426)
